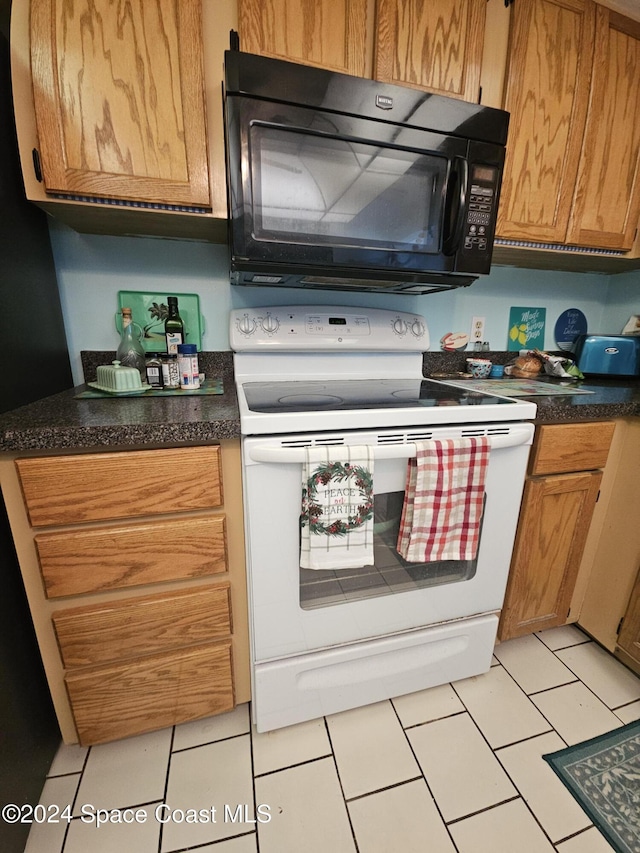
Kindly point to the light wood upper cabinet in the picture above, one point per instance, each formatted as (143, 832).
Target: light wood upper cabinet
(572, 172)
(334, 34)
(119, 99)
(547, 94)
(435, 45)
(607, 202)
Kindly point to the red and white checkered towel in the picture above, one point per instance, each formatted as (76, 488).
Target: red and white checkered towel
(443, 500)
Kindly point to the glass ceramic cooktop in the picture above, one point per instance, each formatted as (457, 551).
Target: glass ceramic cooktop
(343, 394)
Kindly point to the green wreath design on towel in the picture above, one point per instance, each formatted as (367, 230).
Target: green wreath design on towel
(339, 472)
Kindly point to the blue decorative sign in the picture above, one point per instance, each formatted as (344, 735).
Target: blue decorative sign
(569, 325)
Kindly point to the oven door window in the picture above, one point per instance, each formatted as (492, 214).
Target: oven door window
(325, 190)
(390, 573)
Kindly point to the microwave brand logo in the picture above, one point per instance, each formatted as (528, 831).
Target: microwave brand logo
(384, 102)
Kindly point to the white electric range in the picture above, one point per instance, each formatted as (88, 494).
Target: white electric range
(324, 641)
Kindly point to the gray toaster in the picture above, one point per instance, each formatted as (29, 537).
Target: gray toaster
(608, 355)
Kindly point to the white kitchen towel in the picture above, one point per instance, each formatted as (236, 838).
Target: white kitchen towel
(336, 523)
(443, 500)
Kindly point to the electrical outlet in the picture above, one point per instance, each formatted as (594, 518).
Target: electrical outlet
(477, 329)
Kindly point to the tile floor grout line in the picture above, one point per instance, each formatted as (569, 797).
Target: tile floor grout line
(344, 799)
(513, 799)
(587, 639)
(357, 797)
(551, 731)
(625, 704)
(206, 845)
(544, 717)
(166, 783)
(521, 795)
(313, 760)
(590, 689)
(482, 734)
(64, 775)
(253, 779)
(422, 773)
(555, 686)
(434, 720)
(208, 742)
(75, 799)
(494, 751)
(578, 833)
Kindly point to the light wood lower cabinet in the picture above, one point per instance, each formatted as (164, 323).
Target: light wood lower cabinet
(133, 564)
(136, 696)
(144, 625)
(629, 637)
(119, 655)
(554, 523)
(98, 559)
(609, 605)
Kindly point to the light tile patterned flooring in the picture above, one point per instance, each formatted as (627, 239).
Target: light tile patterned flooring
(454, 769)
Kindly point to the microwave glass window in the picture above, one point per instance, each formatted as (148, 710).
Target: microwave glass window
(326, 190)
(390, 573)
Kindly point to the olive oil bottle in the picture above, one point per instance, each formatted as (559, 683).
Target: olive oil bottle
(173, 326)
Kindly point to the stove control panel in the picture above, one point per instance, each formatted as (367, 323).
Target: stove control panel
(324, 327)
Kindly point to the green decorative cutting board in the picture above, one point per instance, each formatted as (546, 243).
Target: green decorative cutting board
(149, 311)
(210, 386)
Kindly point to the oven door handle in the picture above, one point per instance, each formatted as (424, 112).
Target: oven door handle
(269, 453)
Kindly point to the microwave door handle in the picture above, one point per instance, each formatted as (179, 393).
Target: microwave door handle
(455, 205)
(296, 455)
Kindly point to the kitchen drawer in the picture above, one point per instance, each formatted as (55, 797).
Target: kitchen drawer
(98, 634)
(563, 448)
(96, 559)
(124, 699)
(103, 486)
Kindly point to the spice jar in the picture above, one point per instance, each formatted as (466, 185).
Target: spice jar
(170, 371)
(188, 367)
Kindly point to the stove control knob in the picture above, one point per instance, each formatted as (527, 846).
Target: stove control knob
(246, 325)
(399, 327)
(417, 328)
(270, 324)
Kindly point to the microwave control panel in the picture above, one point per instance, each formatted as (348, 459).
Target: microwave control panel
(481, 209)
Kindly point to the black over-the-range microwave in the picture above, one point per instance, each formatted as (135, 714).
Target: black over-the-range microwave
(337, 182)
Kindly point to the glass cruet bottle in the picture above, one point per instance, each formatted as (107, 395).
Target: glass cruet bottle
(130, 350)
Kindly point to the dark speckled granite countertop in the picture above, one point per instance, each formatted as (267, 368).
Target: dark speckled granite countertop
(64, 422)
(610, 398)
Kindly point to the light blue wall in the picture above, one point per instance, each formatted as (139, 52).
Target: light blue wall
(92, 269)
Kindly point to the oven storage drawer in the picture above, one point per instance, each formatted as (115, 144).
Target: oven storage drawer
(308, 686)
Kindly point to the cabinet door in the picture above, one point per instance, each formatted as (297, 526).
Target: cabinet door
(435, 45)
(332, 34)
(554, 523)
(629, 637)
(119, 99)
(607, 201)
(551, 45)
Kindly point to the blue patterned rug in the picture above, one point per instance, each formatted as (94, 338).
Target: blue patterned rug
(603, 774)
